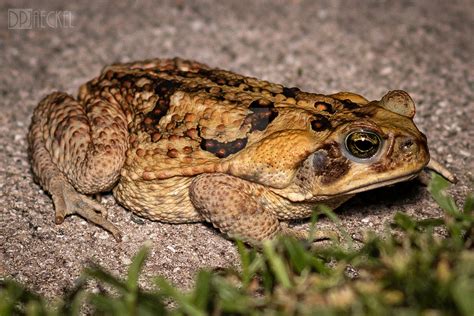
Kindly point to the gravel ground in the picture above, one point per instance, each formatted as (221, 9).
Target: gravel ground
(369, 47)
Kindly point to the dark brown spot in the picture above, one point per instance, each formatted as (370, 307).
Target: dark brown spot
(172, 153)
(359, 114)
(366, 111)
(245, 87)
(263, 113)
(213, 75)
(320, 123)
(175, 118)
(324, 107)
(223, 149)
(290, 92)
(329, 164)
(349, 105)
(234, 82)
(164, 89)
(219, 97)
(335, 171)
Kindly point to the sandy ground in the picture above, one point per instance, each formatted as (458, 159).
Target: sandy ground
(369, 47)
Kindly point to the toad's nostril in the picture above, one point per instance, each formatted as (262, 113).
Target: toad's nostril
(407, 145)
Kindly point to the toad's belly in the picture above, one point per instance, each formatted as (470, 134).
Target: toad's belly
(161, 200)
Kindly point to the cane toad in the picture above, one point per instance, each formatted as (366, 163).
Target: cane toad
(177, 141)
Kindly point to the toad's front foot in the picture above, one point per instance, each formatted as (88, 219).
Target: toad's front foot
(68, 201)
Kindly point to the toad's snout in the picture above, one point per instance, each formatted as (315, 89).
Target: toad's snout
(412, 148)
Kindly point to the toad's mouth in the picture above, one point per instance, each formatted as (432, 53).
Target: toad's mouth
(432, 165)
(378, 184)
(382, 183)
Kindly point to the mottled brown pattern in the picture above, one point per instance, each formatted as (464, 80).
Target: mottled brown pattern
(290, 92)
(263, 113)
(322, 106)
(223, 149)
(178, 141)
(320, 123)
(349, 105)
(330, 164)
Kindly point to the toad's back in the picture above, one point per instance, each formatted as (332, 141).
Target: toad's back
(183, 114)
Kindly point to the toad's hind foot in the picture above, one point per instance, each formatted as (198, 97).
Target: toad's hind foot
(312, 235)
(68, 201)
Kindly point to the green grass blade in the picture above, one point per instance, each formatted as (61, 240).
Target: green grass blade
(404, 221)
(463, 294)
(276, 264)
(135, 267)
(202, 290)
(108, 305)
(184, 303)
(14, 298)
(100, 274)
(437, 188)
(469, 204)
(245, 262)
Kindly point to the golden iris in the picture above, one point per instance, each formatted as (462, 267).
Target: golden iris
(363, 144)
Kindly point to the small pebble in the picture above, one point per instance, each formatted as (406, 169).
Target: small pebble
(126, 260)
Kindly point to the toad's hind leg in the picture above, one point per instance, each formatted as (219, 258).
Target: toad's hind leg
(238, 208)
(78, 149)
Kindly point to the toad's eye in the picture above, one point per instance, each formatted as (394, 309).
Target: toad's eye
(363, 144)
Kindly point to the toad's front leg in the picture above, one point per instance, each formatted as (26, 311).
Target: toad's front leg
(78, 149)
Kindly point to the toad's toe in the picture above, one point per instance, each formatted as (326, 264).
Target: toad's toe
(68, 201)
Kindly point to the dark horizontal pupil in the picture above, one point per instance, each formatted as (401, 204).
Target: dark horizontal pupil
(364, 144)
